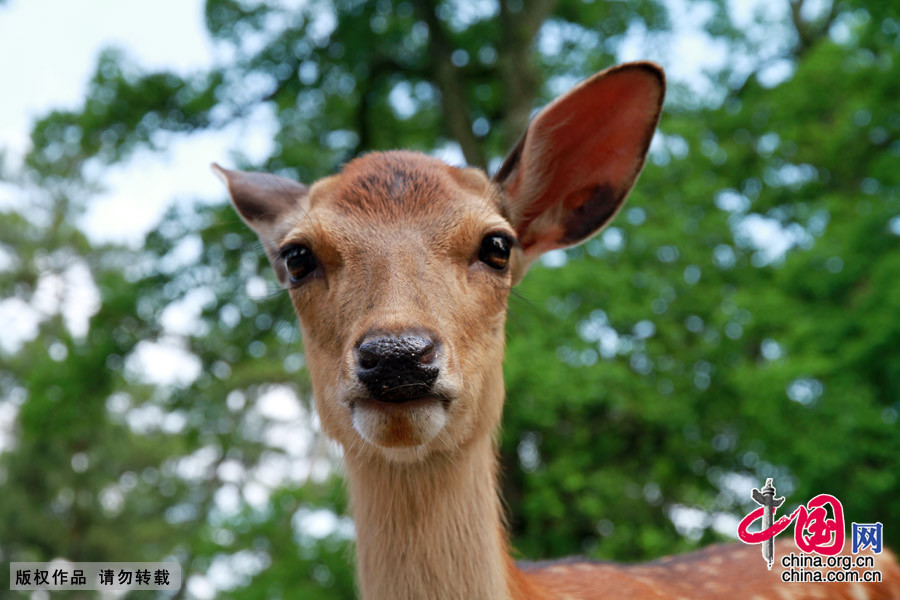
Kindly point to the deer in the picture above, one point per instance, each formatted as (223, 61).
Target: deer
(399, 269)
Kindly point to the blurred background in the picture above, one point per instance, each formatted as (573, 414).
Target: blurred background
(739, 319)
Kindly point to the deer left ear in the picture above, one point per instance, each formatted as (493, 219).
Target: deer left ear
(573, 168)
(264, 201)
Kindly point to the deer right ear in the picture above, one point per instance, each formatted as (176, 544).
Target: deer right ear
(260, 198)
(574, 166)
(263, 201)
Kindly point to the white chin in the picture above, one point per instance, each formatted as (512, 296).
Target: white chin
(400, 431)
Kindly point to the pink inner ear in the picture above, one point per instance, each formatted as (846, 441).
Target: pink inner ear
(585, 151)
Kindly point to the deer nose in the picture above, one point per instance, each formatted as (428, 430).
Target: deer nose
(397, 368)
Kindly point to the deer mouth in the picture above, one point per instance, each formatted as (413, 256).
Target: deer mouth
(399, 424)
(401, 393)
(402, 398)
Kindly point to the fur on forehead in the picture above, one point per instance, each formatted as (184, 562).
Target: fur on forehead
(405, 183)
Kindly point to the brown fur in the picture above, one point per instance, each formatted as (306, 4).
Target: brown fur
(723, 571)
(396, 236)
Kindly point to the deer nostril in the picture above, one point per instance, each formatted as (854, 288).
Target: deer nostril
(427, 357)
(367, 360)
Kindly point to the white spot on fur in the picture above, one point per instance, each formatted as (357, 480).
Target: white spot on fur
(558, 570)
(785, 593)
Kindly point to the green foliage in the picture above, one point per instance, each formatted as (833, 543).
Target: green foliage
(672, 361)
(123, 109)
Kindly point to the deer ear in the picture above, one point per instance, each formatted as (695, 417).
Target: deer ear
(260, 198)
(264, 201)
(574, 166)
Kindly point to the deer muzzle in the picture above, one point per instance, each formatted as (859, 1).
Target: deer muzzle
(398, 368)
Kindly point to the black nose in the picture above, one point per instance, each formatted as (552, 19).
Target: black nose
(397, 368)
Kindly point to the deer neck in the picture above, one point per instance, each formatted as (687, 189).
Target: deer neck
(430, 529)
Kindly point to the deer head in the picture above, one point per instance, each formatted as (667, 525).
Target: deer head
(400, 267)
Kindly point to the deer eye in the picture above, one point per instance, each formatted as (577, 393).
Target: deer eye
(494, 251)
(299, 262)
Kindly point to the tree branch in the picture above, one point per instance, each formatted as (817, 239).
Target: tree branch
(809, 33)
(519, 75)
(451, 85)
(807, 36)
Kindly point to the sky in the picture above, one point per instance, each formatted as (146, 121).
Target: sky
(60, 42)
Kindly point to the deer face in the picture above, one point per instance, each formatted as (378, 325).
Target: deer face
(400, 267)
(401, 306)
